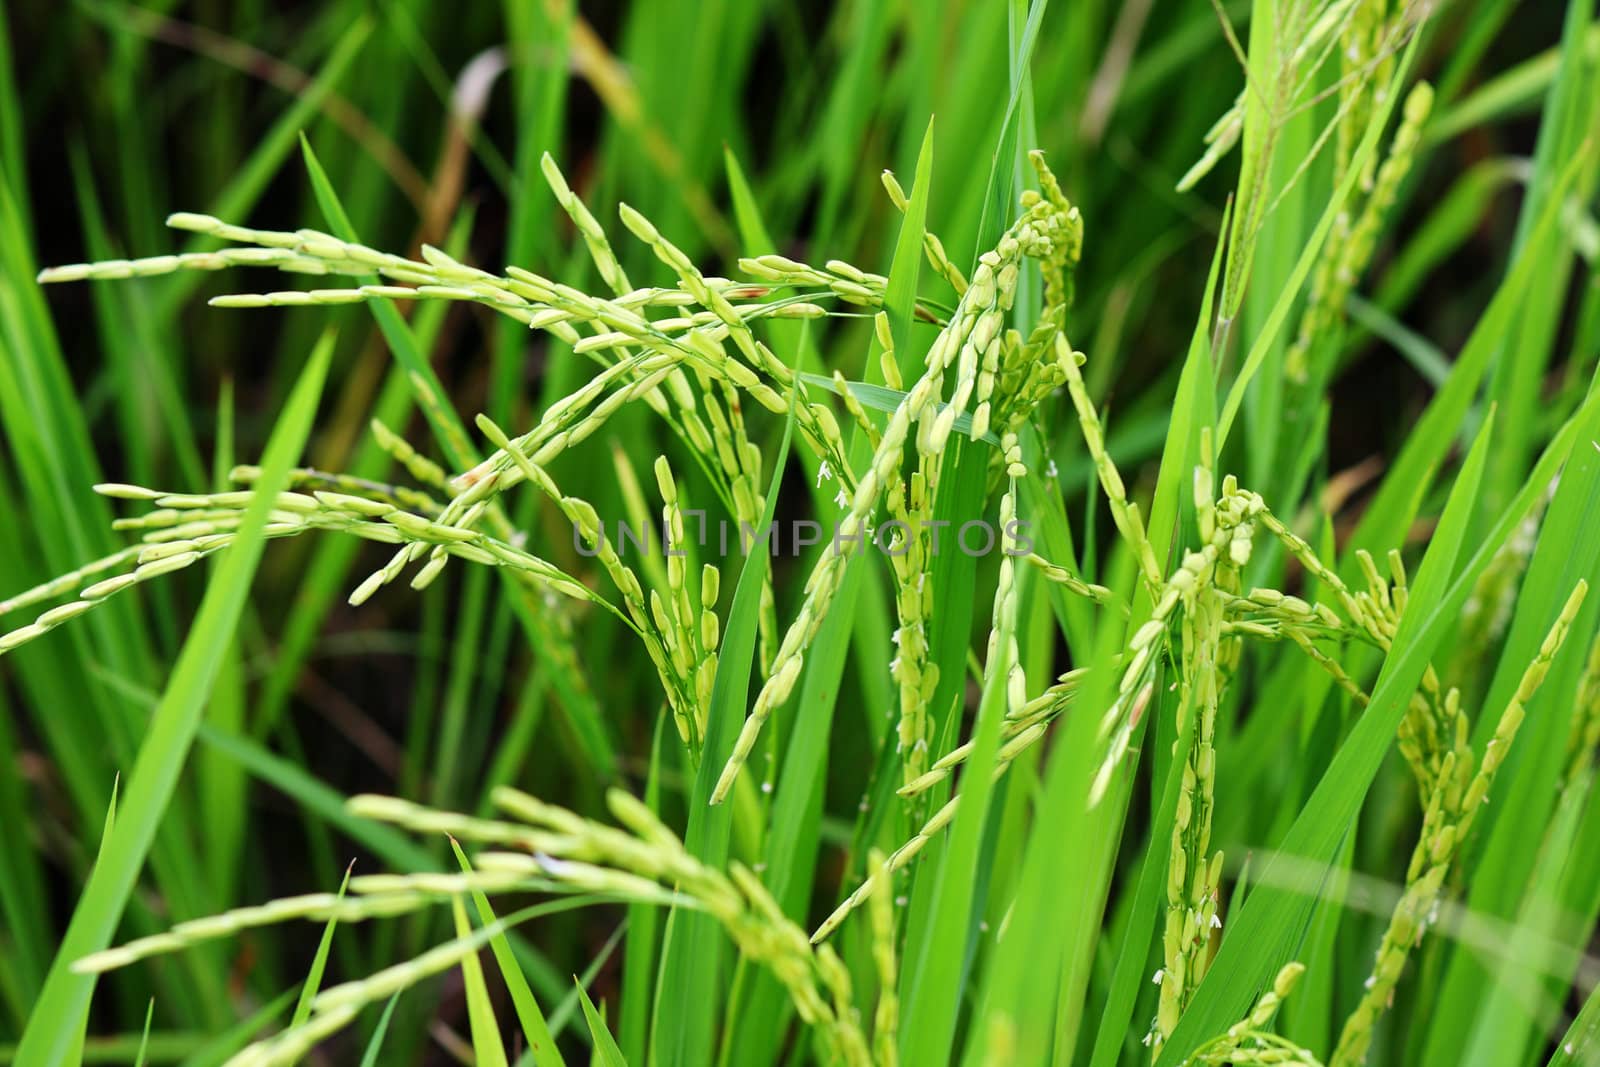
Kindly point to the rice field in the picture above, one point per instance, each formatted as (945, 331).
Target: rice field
(754, 534)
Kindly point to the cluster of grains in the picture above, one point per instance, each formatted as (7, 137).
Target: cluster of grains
(848, 283)
(688, 623)
(660, 361)
(886, 1021)
(1585, 734)
(1270, 615)
(1022, 727)
(1003, 658)
(1248, 1042)
(690, 353)
(1003, 669)
(679, 631)
(1124, 512)
(695, 342)
(970, 344)
(907, 538)
(1073, 583)
(1201, 603)
(1487, 612)
(681, 365)
(1433, 723)
(932, 246)
(739, 460)
(1350, 244)
(375, 897)
(1372, 614)
(1264, 614)
(1293, 80)
(1209, 654)
(541, 847)
(185, 528)
(1029, 372)
(636, 862)
(1452, 803)
(692, 367)
(910, 503)
(1202, 606)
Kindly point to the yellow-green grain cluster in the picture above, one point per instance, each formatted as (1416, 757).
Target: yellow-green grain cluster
(1456, 795)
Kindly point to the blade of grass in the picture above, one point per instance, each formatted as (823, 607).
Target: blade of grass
(1566, 135)
(487, 1051)
(644, 922)
(319, 962)
(50, 1031)
(606, 1052)
(541, 93)
(540, 1044)
(369, 1057)
(1060, 895)
(1509, 1017)
(144, 1038)
(1580, 1045)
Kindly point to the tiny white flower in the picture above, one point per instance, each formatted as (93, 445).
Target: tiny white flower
(824, 472)
(1371, 981)
(894, 664)
(843, 499)
(1051, 471)
(895, 638)
(1155, 979)
(766, 787)
(550, 865)
(1216, 922)
(1149, 1038)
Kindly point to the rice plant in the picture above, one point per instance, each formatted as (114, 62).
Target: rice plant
(968, 629)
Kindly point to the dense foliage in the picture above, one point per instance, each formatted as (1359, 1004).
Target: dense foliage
(1109, 588)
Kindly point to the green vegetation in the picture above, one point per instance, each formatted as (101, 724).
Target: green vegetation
(1187, 661)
